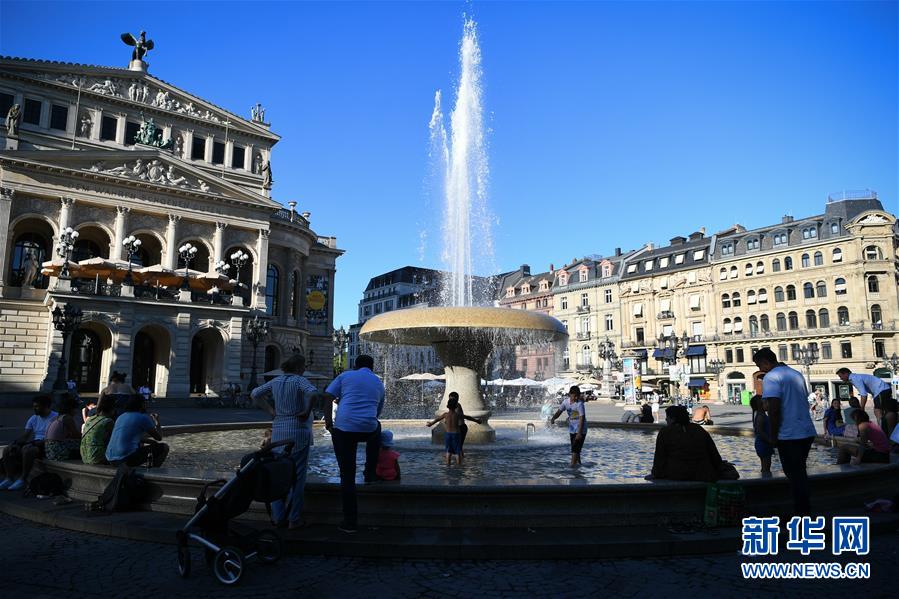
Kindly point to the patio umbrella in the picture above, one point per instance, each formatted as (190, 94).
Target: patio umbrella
(423, 376)
(522, 382)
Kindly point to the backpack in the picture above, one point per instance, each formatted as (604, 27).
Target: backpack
(126, 491)
(46, 484)
(725, 503)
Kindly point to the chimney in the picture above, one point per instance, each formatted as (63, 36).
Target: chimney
(678, 240)
(525, 270)
(649, 246)
(698, 234)
(786, 219)
(552, 268)
(617, 252)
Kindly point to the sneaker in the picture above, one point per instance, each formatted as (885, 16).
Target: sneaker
(17, 486)
(6, 482)
(347, 528)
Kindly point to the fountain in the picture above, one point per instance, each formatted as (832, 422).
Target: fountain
(463, 334)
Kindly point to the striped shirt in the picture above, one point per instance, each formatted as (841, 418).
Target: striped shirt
(292, 397)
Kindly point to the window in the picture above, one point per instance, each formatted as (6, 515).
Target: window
(752, 244)
(691, 276)
(639, 335)
(846, 349)
(837, 255)
(697, 329)
(565, 324)
(806, 261)
(582, 275)
(565, 302)
(131, 130)
(775, 265)
(780, 238)
(740, 356)
(272, 291)
(510, 292)
(794, 351)
(781, 321)
(607, 296)
(32, 112)
(59, 117)
(198, 149)
(698, 254)
(388, 305)
(826, 352)
(753, 325)
(6, 102)
(524, 365)
(788, 263)
(610, 323)
(819, 259)
(367, 311)
(638, 310)
(647, 266)
(728, 326)
(764, 324)
(791, 293)
(750, 297)
(727, 249)
(821, 289)
(563, 277)
(218, 152)
(729, 356)
(695, 302)
(763, 296)
(823, 318)
(778, 294)
(809, 233)
(36, 245)
(873, 284)
(876, 315)
(872, 252)
(834, 228)
(679, 259)
(733, 272)
(782, 353)
(631, 268)
(808, 291)
(759, 268)
(606, 270)
(738, 325)
(793, 320)
(237, 156)
(735, 300)
(843, 316)
(725, 300)
(839, 286)
(879, 349)
(811, 319)
(585, 301)
(663, 262)
(108, 126)
(748, 270)
(722, 274)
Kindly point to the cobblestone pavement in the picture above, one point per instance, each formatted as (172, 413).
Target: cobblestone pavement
(37, 561)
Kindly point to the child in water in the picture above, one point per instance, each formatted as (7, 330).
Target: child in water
(388, 459)
(451, 420)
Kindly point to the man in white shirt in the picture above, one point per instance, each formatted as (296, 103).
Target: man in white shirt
(886, 408)
(28, 447)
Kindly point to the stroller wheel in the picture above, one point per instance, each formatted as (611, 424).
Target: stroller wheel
(269, 547)
(228, 565)
(183, 561)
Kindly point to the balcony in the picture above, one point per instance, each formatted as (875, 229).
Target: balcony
(97, 288)
(584, 336)
(665, 315)
(584, 367)
(583, 309)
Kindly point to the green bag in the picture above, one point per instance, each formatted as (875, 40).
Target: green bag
(725, 503)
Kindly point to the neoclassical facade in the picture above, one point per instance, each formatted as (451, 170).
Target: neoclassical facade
(115, 153)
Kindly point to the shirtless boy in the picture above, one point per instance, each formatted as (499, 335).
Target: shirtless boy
(451, 419)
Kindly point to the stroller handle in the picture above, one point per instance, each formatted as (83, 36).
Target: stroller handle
(287, 445)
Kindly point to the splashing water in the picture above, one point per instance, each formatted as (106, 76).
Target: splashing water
(462, 157)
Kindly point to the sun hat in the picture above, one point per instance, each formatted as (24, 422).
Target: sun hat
(386, 438)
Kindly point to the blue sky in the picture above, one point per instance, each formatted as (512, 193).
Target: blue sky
(611, 124)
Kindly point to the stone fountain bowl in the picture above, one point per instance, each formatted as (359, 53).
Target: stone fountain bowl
(427, 326)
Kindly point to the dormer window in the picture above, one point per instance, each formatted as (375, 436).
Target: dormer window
(698, 254)
(752, 243)
(544, 286)
(525, 289)
(563, 278)
(679, 259)
(606, 270)
(810, 233)
(582, 275)
(834, 228)
(510, 292)
(647, 266)
(727, 249)
(663, 262)
(780, 238)
(632, 268)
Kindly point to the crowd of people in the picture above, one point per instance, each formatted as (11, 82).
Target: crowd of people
(113, 430)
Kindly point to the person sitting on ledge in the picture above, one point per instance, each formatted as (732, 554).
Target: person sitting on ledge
(125, 444)
(684, 450)
(119, 390)
(96, 432)
(646, 416)
(63, 435)
(833, 420)
(873, 446)
(19, 456)
(702, 415)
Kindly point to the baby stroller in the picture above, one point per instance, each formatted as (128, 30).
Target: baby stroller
(263, 476)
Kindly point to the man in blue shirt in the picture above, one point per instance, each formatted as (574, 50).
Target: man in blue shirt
(360, 397)
(886, 409)
(126, 444)
(792, 428)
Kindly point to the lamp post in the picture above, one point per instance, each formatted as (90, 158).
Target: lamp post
(131, 245)
(64, 249)
(807, 356)
(339, 337)
(65, 320)
(608, 355)
(188, 253)
(675, 346)
(238, 260)
(716, 367)
(257, 330)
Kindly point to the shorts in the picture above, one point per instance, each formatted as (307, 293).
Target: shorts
(763, 449)
(884, 401)
(575, 444)
(452, 443)
(875, 457)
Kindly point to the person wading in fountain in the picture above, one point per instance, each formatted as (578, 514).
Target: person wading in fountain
(577, 422)
(361, 397)
(452, 419)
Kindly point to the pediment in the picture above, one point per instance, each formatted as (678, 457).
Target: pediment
(873, 217)
(134, 87)
(150, 168)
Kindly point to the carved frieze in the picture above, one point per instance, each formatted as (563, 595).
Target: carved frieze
(153, 171)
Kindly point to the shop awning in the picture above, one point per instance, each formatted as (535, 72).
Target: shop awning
(663, 353)
(696, 382)
(695, 350)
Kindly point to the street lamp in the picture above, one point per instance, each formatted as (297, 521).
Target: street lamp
(339, 338)
(64, 249)
(892, 363)
(716, 367)
(676, 347)
(257, 330)
(807, 356)
(131, 245)
(608, 355)
(188, 253)
(65, 320)
(238, 260)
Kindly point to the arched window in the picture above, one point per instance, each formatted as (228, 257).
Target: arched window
(272, 291)
(839, 286)
(29, 252)
(811, 319)
(821, 289)
(781, 322)
(750, 297)
(872, 252)
(823, 318)
(778, 294)
(775, 265)
(873, 284)
(85, 249)
(793, 319)
(763, 322)
(837, 255)
(788, 263)
(759, 267)
(748, 269)
(606, 270)
(843, 315)
(753, 325)
(735, 300)
(808, 291)
(725, 300)
(733, 272)
(819, 259)
(876, 315)
(722, 274)
(728, 327)
(763, 296)
(791, 293)
(806, 261)
(738, 325)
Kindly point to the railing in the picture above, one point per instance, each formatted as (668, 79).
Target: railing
(329, 242)
(583, 309)
(583, 336)
(852, 194)
(666, 314)
(91, 287)
(290, 216)
(584, 366)
(85, 287)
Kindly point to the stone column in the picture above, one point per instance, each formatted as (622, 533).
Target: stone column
(65, 211)
(301, 318)
(248, 158)
(258, 299)
(218, 241)
(171, 252)
(208, 157)
(6, 196)
(188, 144)
(115, 252)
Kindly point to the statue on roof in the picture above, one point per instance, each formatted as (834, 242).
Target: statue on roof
(141, 44)
(13, 117)
(257, 113)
